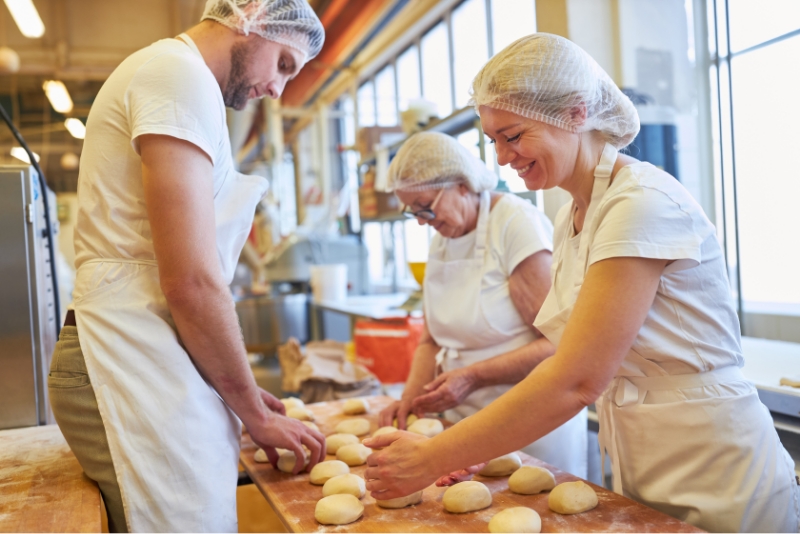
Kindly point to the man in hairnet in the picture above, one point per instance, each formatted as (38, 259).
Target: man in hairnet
(150, 380)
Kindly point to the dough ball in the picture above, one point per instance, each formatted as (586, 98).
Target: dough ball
(261, 456)
(288, 459)
(300, 413)
(793, 381)
(517, 519)
(292, 402)
(334, 441)
(355, 407)
(426, 427)
(502, 466)
(410, 419)
(324, 471)
(353, 455)
(572, 498)
(384, 430)
(466, 497)
(350, 484)
(401, 502)
(311, 425)
(529, 480)
(358, 427)
(338, 509)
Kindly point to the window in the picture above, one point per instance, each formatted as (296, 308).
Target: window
(366, 105)
(385, 97)
(408, 86)
(470, 46)
(752, 23)
(512, 19)
(436, 69)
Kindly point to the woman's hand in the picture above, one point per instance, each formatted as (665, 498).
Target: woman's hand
(400, 469)
(447, 391)
(461, 475)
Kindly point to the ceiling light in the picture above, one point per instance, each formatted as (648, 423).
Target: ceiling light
(26, 17)
(76, 128)
(20, 153)
(58, 96)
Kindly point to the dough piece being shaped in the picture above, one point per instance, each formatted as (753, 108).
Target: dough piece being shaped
(401, 502)
(311, 425)
(338, 509)
(324, 471)
(358, 427)
(410, 420)
(292, 402)
(355, 407)
(334, 441)
(261, 456)
(528, 480)
(517, 519)
(384, 430)
(466, 497)
(288, 459)
(426, 427)
(300, 413)
(502, 466)
(572, 498)
(348, 484)
(353, 455)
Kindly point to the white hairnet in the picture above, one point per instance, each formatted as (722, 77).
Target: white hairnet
(289, 22)
(430, 160)
(545, 77)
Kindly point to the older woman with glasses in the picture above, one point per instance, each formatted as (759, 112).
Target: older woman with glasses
(487, 275)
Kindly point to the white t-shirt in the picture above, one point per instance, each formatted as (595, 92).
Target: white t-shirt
(692, 325)
(167, 89)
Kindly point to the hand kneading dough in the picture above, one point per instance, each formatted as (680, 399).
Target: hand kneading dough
(355, 407)
(350, 484)
(410, 419)
(426, 427)
(384, 430)
(324, 471)
(466, 497)
(311, 425)
(529, 480)
(401, 502)
(358, 427)
(502, 466)
(292, 402)
(517, 519)
(300, 413)
(287, 460)
(334, 441)
(338, 509)
(353, 455)
(572, 498)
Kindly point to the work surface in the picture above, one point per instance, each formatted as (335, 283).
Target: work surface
(42, 485)
(294, 498)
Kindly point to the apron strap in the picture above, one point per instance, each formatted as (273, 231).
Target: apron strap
(482, 231)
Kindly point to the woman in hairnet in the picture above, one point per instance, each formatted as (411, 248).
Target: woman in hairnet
(640, 313)
(487, 275)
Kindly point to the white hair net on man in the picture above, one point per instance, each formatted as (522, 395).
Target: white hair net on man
(550, 79)
(289, 22)
(430, 160)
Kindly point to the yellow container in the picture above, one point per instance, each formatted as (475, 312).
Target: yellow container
(418, 270)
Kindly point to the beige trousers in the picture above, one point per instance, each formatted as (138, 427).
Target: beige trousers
(75, 407)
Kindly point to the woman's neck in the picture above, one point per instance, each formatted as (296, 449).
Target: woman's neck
(581, 183)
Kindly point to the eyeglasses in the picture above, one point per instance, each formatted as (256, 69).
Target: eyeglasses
(426, 214)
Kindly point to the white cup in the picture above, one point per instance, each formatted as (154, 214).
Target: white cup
(329, 282)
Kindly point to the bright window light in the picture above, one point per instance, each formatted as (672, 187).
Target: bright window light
(76, 128)
(19, 153)
(26, 17)
(58, 96)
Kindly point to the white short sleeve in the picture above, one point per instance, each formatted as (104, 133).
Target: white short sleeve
(176, 95)
(526, 232)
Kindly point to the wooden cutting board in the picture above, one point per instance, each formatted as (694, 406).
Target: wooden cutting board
(294, 498)
(42, 485)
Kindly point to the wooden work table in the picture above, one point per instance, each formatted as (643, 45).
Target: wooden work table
(42, 485)
(294, 498)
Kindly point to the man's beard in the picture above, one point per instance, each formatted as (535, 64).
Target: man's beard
(237, 91)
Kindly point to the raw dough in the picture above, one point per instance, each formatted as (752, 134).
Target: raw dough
(528, 480)
(793, 381)
(300, 413)
(338, 509)
(260, 456)
(353, 455)
(311, 425)
(426, 427)
(355, 407)
(466, 497)
(401, 502)
(517, 519)
(502, 466)
(410, 420)
(288, 459)
(292, 402)
(384, 430)
(358, 426)
(572, 498)
(349, 483)
(324, 471)
(334, 441)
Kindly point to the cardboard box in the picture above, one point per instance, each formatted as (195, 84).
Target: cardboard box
(370, 136)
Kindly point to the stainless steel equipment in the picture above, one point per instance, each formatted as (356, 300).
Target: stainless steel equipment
(27, 308)
(270, 320)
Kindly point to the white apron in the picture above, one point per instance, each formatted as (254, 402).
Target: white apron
(173, 441)
(461, 322)
(699, 447)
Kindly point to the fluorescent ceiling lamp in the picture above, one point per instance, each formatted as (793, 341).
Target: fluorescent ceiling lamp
(76, 128)
(58, 96)
(19, 153)
(26, 17)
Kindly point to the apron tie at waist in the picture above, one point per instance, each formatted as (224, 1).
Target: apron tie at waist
(445, 353)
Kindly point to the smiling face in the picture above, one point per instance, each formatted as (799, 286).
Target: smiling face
(456, 209)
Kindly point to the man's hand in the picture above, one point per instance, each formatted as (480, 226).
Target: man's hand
(447, 391)
(461, 475)
(286, 433)
(400, 409)
(272, 402)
